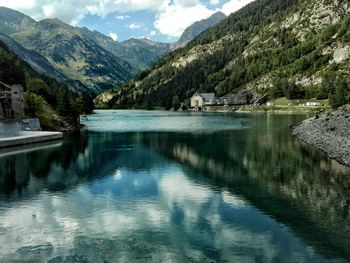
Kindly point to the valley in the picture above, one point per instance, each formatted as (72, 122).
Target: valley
(87, 61)
(175, 131)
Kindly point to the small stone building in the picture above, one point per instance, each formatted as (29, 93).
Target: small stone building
(17, 100)
(11, 101)
(202, 99)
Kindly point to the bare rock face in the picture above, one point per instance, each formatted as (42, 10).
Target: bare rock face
(291, 21)
(341, 54)
(329, 132)
(309, 81)
(317, 15)
(104, 97)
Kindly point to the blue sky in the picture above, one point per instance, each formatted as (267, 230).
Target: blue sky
(126, 25)
(160, 20)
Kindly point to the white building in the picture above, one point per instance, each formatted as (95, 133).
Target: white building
(17, 97)
(313, 104)
(202, 99)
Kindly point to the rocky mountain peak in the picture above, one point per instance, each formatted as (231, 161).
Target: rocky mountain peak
(197, 28)
(13, 21)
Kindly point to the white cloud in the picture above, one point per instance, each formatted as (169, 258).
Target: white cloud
(176, 17)
(48, 10)
(114, 36)
(122, 17)
(171, 16)
(73, 11)
(135, 26)
(25, 5)
(234, 5)
(186, 3)
(152, 33)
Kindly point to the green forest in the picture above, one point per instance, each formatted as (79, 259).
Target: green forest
(283, 59)
(52, 102)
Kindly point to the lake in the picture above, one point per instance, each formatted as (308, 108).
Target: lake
(137, 186)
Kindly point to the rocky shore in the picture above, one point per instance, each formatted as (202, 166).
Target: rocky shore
(329, 132)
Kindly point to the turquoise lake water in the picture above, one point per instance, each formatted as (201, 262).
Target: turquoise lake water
(137, 186)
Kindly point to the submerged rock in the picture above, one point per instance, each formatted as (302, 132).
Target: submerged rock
(3, 231)
(330, 132)
(70, 259)
(34, 251)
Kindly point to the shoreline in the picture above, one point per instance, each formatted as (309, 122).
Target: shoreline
(328, 132)
(242, 109)
(27, 138)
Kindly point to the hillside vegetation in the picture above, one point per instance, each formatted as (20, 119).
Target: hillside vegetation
(74, 55)
(83, 59)
(292, 48)
(53, 103)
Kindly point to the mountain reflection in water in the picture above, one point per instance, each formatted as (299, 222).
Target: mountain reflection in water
(246, 194)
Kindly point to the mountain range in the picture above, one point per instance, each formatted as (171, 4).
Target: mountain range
(85, 60)
(292, 48)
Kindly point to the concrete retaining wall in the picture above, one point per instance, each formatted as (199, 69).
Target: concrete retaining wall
(13, 133)
(13, 128)
(27, 137)
(9, 129)
(31, 124)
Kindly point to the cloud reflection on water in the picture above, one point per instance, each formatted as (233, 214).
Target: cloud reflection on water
(164, 196)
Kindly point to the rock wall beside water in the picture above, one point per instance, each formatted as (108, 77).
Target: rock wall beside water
(329, 132)
(13, 128)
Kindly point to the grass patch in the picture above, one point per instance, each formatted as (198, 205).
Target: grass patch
(284, 102)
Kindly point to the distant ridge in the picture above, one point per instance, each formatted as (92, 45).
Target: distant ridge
(199, 27)
(79, 55)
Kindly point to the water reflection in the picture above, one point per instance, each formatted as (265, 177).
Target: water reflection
(296, 185)
(240, 195)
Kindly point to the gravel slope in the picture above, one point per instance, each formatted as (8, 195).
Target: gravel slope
(329, 132)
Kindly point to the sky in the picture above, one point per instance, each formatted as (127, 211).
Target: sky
(159, 20)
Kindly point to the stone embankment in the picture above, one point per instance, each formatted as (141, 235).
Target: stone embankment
(12, 133)
(329, 132)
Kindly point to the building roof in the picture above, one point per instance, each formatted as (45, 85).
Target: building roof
(207, 96)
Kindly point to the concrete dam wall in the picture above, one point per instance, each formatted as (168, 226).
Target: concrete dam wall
(9, 129)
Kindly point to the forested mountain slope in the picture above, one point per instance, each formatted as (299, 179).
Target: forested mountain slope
(74, 54)
(293, 48)
(84, 59)
(56, 106)
(41, 64)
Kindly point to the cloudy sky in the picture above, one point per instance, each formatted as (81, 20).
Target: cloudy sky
(162, 20)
